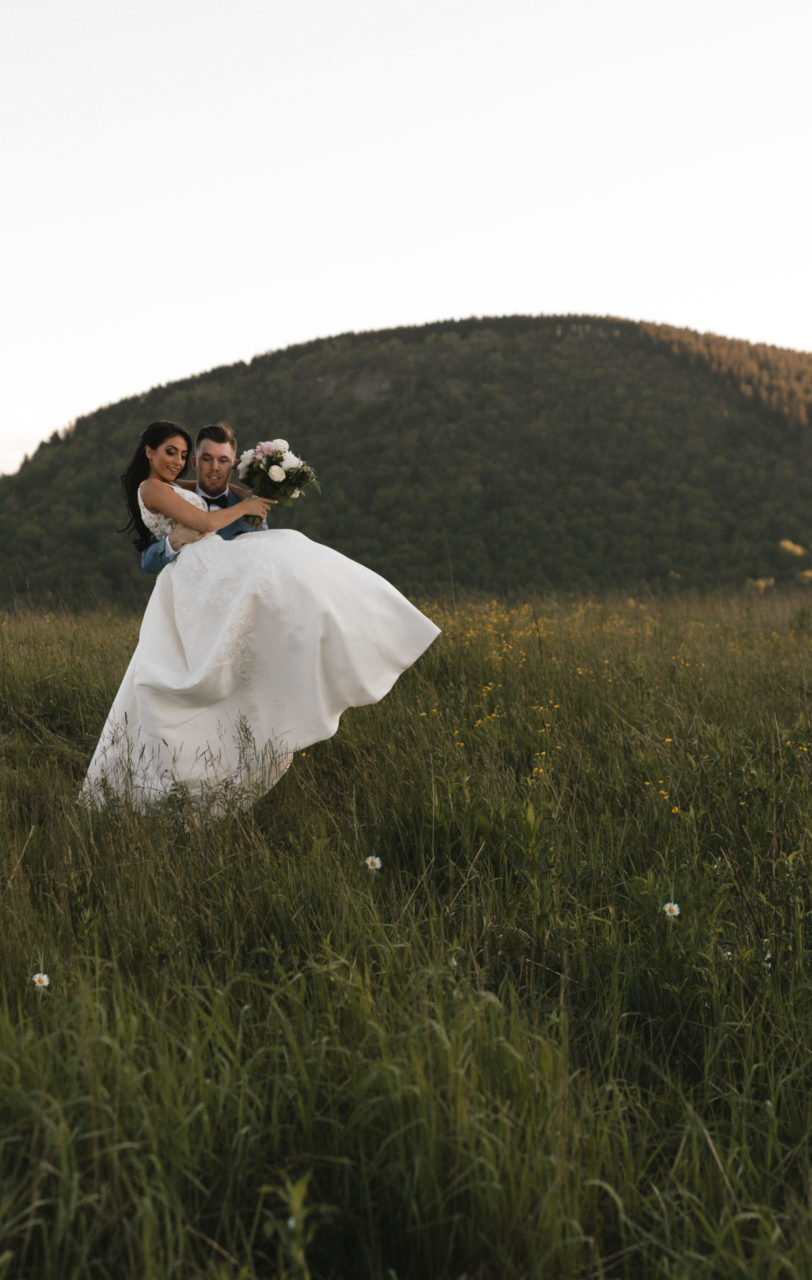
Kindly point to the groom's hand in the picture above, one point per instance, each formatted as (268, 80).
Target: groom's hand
(180, 535)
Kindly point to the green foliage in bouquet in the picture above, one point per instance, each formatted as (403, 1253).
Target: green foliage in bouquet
(274, 471)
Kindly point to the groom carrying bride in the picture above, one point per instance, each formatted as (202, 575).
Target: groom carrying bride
(249, 650)
(213, 462)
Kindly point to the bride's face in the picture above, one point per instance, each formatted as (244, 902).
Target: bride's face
(168, 460)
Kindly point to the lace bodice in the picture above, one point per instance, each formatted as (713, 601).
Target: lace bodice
(160, 525)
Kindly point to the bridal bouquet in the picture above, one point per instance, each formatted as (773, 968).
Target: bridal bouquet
(274, 471)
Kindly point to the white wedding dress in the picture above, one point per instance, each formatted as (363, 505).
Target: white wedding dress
(249, 650)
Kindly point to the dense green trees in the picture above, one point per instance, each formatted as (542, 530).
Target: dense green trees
(495, 454)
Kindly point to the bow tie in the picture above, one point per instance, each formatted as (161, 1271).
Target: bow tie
(220, 501)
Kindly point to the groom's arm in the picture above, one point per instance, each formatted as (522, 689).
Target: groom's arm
(240, 526)
(157, 556)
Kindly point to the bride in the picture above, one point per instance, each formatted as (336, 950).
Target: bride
(249, 650)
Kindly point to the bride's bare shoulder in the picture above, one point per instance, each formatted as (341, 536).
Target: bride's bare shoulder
(151, 492)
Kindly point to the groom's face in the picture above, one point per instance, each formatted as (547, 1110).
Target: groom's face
(213, 463)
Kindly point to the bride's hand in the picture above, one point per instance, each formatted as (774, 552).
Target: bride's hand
(255, 506)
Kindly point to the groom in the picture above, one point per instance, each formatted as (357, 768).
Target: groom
(213, 461)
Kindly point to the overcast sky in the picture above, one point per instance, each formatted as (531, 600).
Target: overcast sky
(192, 182)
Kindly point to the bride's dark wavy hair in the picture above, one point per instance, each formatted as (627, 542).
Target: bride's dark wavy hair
(138, 470)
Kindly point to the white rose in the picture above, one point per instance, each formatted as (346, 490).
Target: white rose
(244, 463)
(290, 461)
(276, 473)
(280, 446)
(297, 493)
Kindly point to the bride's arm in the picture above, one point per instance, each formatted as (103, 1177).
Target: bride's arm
(158, 496)
(240, 492)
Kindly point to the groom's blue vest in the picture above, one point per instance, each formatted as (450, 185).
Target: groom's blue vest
(154, 558)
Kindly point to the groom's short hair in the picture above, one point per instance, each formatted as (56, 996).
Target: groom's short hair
(219, 432)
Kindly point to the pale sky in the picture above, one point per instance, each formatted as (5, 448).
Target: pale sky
(193, 182)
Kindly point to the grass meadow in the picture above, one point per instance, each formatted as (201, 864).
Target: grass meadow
(494, 1057)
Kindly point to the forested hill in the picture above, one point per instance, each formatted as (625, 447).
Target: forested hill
(563, 453)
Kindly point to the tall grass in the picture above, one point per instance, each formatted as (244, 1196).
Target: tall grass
(494, 1057)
